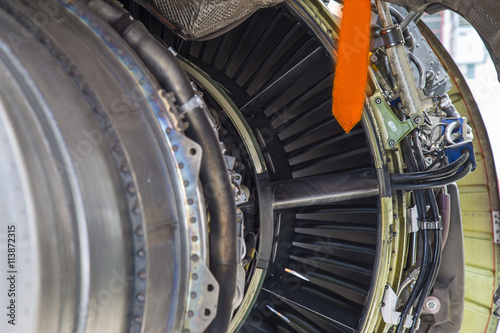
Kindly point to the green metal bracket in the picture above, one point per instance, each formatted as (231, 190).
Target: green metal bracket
(393, 130)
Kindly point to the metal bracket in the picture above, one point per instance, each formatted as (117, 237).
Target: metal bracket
(393, 130)
(391, 36)
(411, 219)
(495, 215)
(388, 309)
(202, 301)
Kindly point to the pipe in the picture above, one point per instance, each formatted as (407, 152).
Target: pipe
(321, 190)
(401, 68)
(445, 211)
(221, 206)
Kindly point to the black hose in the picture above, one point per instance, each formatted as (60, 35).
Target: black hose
(218, 190)
(436, 262)
(426, 261)
(432, 184)
(433, 174)
(388, 71)
(421, 69)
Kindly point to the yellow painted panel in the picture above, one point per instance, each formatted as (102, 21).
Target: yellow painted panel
(477, 222)
(479, 253)
(474, 202)
(479, 284)
(473, 319)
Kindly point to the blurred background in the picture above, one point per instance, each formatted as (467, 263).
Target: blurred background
(467, 49)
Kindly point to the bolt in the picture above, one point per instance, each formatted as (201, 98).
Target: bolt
(431, 305)
(417, 120)
(373, 58)
(392, 143)
(378, 100)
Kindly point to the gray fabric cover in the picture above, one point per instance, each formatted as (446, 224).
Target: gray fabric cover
(197, 19)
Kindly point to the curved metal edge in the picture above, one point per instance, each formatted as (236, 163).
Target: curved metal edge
(392, 240)
(262, 178)
(186, 174)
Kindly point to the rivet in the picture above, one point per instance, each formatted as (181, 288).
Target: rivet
(175, 147)
(138, 319)
(124, 168)
(74, 72)
(141, 297)
(195, 276)
(194, 257)
(186, 183)
(141, 253)
(131, 189)
(192, 220)
(142, 274)
(181, 165)
(193, 295)
(168, 130)
(190, 201)
(139, 231)
(86, 89)
(136, 209)
(190, 314)
(60, 56)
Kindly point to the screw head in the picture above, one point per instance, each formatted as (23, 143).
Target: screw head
(392, 143)
(417, 120)
(431, 305)
(378, 100)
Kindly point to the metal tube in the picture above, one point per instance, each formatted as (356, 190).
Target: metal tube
(401, 69)
(220, 199)
(321, 190)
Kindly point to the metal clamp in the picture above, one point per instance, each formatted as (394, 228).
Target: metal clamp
(193, 103)
(431, 225)
(392, 36)
(388, 309)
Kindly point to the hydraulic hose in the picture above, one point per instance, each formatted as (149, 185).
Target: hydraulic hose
(220, 196)
(426, 261)
(433, 174)
(436, 262)
(436, 183)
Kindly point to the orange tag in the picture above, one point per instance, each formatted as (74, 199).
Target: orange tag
(352, 66)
